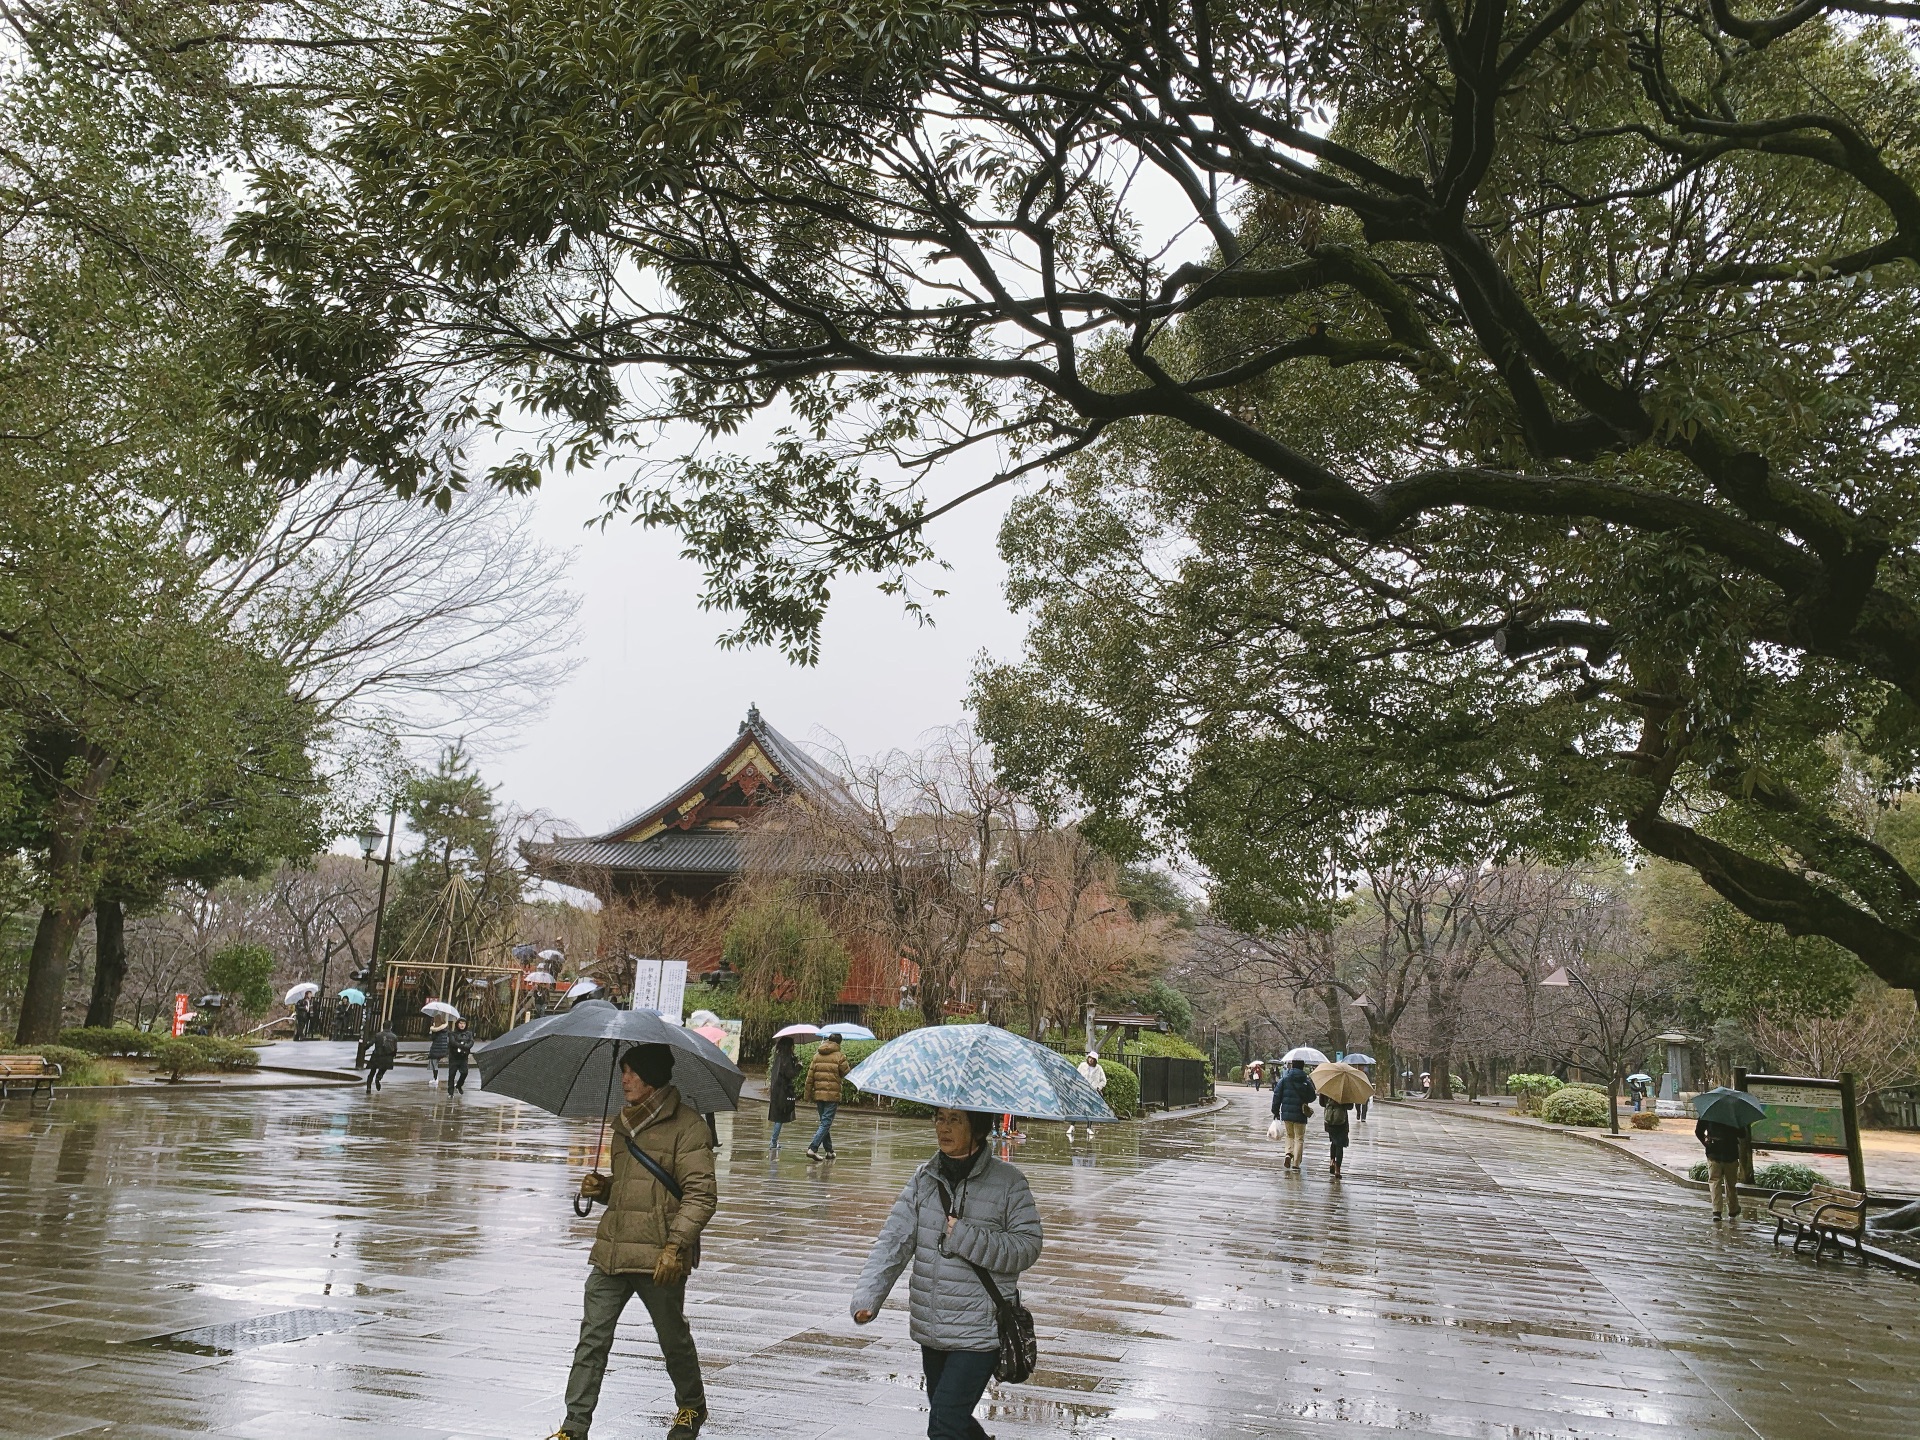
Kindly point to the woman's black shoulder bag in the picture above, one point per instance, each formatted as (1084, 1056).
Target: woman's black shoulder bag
(1019, 1350)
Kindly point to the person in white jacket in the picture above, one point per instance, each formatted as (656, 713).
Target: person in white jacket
(1094, 1074)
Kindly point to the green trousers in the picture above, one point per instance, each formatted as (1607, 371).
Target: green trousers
(607, 1297)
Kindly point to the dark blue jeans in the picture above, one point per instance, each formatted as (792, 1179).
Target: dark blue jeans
(824, 1135)
(956, 1379)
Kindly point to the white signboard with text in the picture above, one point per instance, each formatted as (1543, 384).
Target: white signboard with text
(660, 985)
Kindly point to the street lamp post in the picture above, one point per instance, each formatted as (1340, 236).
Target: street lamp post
(369, 839)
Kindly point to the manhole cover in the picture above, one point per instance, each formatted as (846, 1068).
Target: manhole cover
(275, 1329)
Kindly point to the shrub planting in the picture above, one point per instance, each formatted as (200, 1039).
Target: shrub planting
(1786, 1175)
(1571, 1106)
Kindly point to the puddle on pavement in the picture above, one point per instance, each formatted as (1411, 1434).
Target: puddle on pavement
(280, 1328)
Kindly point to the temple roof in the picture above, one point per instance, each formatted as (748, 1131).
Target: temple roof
(693, 831)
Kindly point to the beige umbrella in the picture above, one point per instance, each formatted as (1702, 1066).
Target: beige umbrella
(1342, 1083)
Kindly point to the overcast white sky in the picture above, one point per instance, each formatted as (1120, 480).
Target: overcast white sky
(655, 696)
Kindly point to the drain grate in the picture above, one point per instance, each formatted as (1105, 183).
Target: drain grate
(275, 1329)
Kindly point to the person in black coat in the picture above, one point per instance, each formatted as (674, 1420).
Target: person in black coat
(438, 1043)
(380, 1057)
(459, 1053)
(782, 1070)
(1293, 1097)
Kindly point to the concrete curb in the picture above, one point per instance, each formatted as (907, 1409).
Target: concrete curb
(1191, 1112)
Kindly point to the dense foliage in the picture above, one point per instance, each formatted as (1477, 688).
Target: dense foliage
(1496, 418)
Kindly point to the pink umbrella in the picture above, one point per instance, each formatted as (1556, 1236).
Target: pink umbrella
(801, 1033)
(711, 1032)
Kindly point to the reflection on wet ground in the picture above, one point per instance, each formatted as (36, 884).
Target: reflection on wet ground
(1466, 1280)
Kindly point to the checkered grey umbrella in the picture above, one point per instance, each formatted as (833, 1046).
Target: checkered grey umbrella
(570, 1064)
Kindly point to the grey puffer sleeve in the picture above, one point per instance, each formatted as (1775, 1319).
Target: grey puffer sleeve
(1007, 1250)
(890, 1254)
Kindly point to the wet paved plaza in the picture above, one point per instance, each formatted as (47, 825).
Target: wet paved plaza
(1467, 1280)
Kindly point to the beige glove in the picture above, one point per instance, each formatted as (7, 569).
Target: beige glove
(671, 1268)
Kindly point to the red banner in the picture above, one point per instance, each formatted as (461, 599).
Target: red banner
(181, 1013)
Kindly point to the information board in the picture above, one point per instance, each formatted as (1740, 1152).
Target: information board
(1800, 1116)
(660, 986)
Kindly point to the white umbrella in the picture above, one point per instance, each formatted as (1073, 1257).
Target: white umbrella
(705, 1017)
(1303, 1052)
(582, 987)
(537, 977)
(439, 1007)
(305, 987)
(550, 955)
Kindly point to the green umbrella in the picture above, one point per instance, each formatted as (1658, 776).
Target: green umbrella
(1722, 1106)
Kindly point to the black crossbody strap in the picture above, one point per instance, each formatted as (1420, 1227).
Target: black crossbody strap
(986, 1276)
(653, 1167)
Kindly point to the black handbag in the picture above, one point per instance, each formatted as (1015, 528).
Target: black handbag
(1019, 1349)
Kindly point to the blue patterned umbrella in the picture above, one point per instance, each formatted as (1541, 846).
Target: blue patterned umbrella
(980, 1067)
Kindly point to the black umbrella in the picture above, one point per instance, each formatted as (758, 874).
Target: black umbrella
(570, 1064)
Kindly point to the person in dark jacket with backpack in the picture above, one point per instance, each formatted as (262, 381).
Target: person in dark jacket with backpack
(380, 1057)
(1293, 1096)
(1722, 1143)
(964, 1219)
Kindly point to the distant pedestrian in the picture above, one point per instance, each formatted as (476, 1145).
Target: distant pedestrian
(1337, 1130)
(302, 1018)
(1722, 1144)
(782, 1070)
(459, 1055)
(380, 1056)
(438, 1042)
(1094, 1073)
(824, 1074)
(966, 1221)
(1293, 1096)
(648, 1244)
(1253, 1074)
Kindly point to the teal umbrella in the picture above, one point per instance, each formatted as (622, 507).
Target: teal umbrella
(1722, 1106)
(353, 996)
(980, 1067)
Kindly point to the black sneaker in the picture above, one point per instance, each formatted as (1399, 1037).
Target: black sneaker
(686, 1423)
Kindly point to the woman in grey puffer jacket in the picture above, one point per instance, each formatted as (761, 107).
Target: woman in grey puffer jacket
(962, 1205)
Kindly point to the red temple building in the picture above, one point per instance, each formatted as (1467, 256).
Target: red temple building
(687, 847)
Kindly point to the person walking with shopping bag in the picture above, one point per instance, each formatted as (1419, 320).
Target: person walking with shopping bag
(663, 1194)
(967, 1224)
(1293, 1098)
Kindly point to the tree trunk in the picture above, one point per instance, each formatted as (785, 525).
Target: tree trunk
(1336, 1025)
(42, 1006)
(109, 963)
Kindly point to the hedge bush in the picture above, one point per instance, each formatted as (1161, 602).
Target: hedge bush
(180, 1058)
(1786, 1175)
(1533, 1090)
(1123, 1089)
(110, 1040)
(1644, 1120)
(68, 1057)
(1574, 1106)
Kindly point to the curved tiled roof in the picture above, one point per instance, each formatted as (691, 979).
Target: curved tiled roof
(683, 852)
(799, 769)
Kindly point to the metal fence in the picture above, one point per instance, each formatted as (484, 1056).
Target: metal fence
(1167, 1083)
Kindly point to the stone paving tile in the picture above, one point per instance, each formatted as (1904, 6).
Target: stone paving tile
(1470, 1281)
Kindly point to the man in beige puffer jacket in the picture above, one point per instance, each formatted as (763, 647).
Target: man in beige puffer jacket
(648, 1241)
(824, 1074)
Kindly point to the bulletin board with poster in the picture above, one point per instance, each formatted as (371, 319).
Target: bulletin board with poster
(1806, 1113)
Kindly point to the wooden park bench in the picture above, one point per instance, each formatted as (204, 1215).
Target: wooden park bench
(31, 1071)
(1827, 1214)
